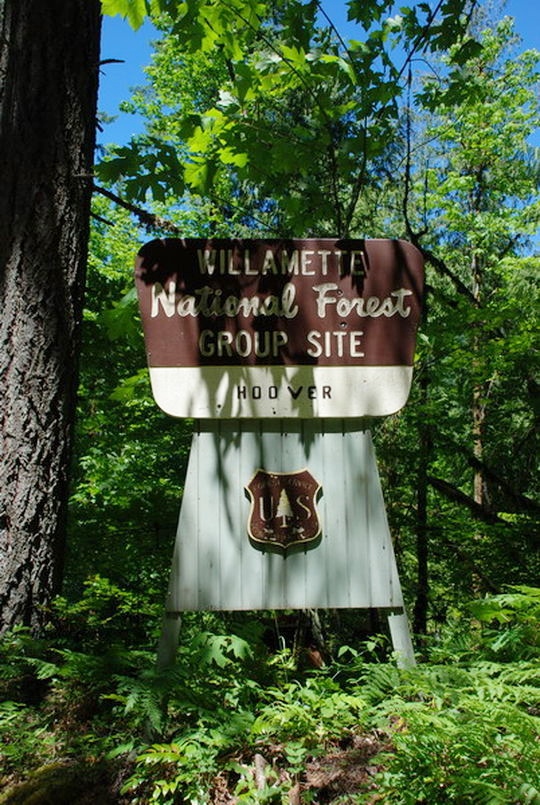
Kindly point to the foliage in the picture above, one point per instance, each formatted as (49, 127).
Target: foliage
(466, 754)
(377, 148)
(262, 118)
(468, 435)
(129, 458)
(459, 734)
(465, 729)
(280, 75)
(519, 608)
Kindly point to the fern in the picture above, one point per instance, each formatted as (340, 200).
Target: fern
(458, 734)
(529, 795)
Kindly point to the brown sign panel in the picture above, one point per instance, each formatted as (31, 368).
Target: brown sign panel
(262, 328)
(283, 511)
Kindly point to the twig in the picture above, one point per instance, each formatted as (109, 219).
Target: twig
(260, 765)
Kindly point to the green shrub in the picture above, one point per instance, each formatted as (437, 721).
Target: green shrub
(474, 752)
(509, 623)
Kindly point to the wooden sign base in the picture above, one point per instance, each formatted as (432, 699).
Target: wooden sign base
(247, 538)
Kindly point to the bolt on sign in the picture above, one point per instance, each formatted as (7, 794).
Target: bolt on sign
(280, 328)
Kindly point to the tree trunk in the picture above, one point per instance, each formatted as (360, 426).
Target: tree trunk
(478, 419)
(422, 546)
(49, 65)
(478, 406)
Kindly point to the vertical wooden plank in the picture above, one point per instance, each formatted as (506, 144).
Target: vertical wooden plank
(384, 578)
(195, 493)
(331, 576)
(354, 534)
(183, 581)
(228, 537)
(271, 440)
(357, 532)
(252, 576)
(248, 573)
(316, 559)
(359, 535)
(293, 565)
(209, 501)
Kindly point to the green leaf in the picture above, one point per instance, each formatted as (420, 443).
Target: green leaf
(121, 320)
(367, 14)
(134, 11)
(199, 174)
(131, 387)
(230, 157)
(344, 65)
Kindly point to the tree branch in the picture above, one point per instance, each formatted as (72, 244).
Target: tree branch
(522, 501)
(422, 37)
(465, 558)
(147, 219)
(442, 268)
(457, 496)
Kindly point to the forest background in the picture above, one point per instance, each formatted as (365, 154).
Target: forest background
(269, 123)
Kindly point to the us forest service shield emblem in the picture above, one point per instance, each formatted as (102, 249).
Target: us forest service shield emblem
(283, 509)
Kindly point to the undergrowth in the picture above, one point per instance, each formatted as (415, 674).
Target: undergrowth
(234, 722)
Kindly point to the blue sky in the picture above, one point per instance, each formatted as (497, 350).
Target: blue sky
(134, 47)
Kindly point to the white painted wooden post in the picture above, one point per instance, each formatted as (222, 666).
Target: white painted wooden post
(401, 640)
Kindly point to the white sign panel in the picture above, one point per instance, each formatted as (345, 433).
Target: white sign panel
(342, 556)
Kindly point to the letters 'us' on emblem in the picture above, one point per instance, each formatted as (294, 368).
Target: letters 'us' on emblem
(283, 510)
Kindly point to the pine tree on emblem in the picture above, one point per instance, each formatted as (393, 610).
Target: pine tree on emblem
(284, 508)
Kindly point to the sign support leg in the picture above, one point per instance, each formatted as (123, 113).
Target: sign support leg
(168, 641)
(401, 640)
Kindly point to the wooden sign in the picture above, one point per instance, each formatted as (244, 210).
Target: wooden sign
(280, 328)
(218, 565)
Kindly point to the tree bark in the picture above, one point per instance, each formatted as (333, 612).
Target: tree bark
(478, 406)
(422, 545)
(49, 65)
